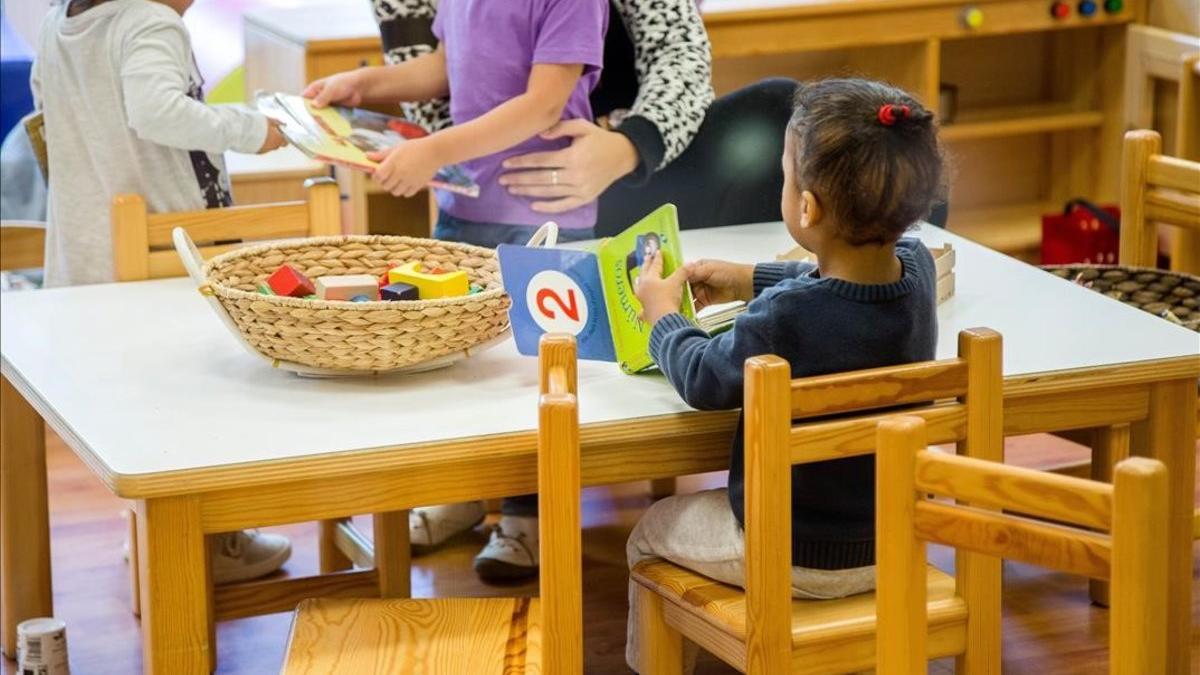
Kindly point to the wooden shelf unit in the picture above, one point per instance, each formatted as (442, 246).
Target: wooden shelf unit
(1039, 99)
(1019, 120)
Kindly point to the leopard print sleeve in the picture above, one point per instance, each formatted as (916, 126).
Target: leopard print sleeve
(406, 29)
(674, 68)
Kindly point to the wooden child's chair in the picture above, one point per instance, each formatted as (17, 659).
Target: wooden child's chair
(762, 630)
(1133, 509)
(476, 635)
(1157, 189)
(143, 249)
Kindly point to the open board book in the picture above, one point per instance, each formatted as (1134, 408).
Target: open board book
(589, 294)
(344, 136)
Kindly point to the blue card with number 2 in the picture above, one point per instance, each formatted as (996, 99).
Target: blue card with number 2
(556, 290)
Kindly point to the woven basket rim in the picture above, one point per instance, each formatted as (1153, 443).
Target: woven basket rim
(1132, 268)
(222, 290)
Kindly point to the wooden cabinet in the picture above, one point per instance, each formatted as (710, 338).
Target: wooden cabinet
(1037, 118)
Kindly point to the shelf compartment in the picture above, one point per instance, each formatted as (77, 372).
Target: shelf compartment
(1012, 229)
(1021, 120)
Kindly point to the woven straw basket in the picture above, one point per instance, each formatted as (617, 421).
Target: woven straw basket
(321, 337)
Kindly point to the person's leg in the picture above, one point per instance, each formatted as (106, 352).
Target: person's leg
(729, 174)
(699, 531)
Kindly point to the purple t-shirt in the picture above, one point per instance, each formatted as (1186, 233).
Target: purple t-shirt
(491, 46)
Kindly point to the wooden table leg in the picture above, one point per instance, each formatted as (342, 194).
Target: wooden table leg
(24, 517)
(1169, 436)
(176, 588)
(331, 558)
(1110, 445)
(393, 554)
(662, 487)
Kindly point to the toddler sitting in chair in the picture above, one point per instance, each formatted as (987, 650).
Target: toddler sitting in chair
(862, 165)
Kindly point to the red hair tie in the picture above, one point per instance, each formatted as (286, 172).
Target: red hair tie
(889, 113)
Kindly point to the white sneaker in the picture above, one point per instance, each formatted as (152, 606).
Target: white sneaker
(512, 552)
(241, 556)
(430, 526)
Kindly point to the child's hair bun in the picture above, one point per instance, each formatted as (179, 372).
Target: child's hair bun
(892, 114)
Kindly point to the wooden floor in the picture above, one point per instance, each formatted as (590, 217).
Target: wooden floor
(1049, 627)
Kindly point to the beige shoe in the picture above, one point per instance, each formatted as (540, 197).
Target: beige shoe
(430, 526)
(241, 556)
(512, 552)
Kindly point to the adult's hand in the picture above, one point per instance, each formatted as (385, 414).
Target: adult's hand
(716, 282)
(565, 179)
(341, 89)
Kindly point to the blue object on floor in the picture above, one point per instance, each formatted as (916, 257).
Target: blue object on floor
(16, 60)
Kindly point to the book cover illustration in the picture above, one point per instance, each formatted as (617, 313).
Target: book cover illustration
(344, 136)
(590, 294)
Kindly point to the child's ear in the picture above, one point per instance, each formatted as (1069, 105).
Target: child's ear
(810, 210)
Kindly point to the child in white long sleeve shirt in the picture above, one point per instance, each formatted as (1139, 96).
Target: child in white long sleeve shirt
(120, 94)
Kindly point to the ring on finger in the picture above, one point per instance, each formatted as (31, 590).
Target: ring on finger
(554, 177)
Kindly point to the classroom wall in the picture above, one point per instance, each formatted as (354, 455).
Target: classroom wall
(25, 16)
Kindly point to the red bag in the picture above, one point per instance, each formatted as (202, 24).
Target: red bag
(1082, 233)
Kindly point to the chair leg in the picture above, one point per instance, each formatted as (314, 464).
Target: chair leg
(393, 554)
(660, 646)
(1110, 445)
(331, 558)
(135, 579)
(662, 487)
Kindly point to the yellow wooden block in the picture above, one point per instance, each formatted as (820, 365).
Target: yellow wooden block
(430, 285)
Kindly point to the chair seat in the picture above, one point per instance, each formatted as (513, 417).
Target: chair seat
(435, 636)
(827, 635)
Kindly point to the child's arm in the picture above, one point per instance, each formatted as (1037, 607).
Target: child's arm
(156, 80)
(706, 371)
(406, 168)
(420, 79)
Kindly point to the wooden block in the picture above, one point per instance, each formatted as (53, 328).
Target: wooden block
(346, 287)
(399, 291)
(287, 280)
(430, 284)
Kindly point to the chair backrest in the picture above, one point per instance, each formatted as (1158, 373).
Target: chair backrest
(22, 244)
(774, 402)
(1156, 189)
(1133, 556)
(142, 243)
(559, 524)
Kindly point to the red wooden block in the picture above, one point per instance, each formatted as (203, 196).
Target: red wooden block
(288, 281)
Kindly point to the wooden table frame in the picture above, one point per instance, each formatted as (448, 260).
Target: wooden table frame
(1153, 399)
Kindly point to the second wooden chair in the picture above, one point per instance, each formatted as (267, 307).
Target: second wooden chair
(1133, 557)
(504, 636)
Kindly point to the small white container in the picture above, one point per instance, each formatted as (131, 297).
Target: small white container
(42, 647)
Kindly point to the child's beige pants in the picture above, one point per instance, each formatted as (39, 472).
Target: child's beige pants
(699, 531)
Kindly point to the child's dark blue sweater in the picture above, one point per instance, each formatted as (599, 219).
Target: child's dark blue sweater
(820, 326)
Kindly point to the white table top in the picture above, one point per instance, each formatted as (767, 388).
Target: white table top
(145, 379)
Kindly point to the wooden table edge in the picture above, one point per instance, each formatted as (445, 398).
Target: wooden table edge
(393, 457)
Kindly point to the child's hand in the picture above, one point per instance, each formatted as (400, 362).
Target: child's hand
(715, 282)
(275, 138)
(340, 89)
(405, 169)
(659, 296)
